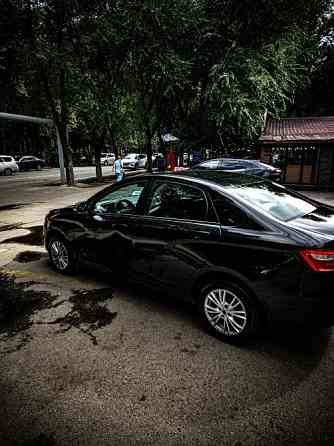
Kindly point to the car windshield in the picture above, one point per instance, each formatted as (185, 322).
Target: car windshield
(273, 199)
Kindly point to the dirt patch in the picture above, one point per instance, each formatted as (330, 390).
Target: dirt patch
(88, 314)
(28, 256)
(34, 238)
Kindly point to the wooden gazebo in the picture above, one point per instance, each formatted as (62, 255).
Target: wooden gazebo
(302, 147)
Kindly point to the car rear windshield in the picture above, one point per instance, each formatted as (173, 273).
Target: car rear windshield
(275, 200)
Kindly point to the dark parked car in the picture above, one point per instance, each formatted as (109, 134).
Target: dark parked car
(245, 250)
(249, 167)
(30, 162)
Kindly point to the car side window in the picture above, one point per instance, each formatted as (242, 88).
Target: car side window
(177, 201)
(231, 215)
(123, 200)
(232, 165)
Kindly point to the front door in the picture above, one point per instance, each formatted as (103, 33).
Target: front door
(112, 225)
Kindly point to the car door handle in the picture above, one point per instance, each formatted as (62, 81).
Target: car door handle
(98, 218)
(184, 231)
(177, 228)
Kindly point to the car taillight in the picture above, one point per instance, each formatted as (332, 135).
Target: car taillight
(318, 260)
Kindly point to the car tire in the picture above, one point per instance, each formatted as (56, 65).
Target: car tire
(61, 255)
(8, 171)
(228, 312)
(105, 163)
(39, 167)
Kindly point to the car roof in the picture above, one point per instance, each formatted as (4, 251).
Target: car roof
(206, 177)
(231, 159)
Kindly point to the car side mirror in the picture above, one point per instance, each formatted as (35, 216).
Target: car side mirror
(82, 206)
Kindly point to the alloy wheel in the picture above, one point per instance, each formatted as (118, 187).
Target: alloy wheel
(59, 255)
(225, 312)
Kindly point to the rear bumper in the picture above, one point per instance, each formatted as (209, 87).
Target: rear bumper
(309, 303)
(318, 295)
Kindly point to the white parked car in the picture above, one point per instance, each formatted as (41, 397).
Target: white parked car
(134, 161)
(8, 165)
(107, 159)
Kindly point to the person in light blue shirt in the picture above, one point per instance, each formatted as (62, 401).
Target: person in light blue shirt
(119, 169)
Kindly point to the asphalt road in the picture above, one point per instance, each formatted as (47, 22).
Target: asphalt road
(96, 362)
(91, 361)
(35, 186)
(48, 176)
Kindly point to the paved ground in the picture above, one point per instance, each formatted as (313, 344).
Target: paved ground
(95, 362)
(50, 175)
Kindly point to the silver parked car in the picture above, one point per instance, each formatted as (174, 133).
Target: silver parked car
(8, 165)
(135, 161)
(107, 159)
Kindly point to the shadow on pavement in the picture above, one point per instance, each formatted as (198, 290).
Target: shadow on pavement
(34, 238)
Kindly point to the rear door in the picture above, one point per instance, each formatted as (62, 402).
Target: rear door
(176, 233)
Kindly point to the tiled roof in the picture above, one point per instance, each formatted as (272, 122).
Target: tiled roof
(312, 130)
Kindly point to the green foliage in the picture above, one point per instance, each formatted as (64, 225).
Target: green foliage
(249, 82)
(120, 71)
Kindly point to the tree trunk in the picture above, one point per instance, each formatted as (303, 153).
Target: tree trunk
(61, 125)
(67, 154)
(149, 151)
(114, 142)
(98, 167)
(69, 168)
(97, 152)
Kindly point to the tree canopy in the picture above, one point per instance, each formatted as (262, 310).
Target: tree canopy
(122, 72)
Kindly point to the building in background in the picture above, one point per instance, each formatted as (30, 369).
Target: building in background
(302, 147)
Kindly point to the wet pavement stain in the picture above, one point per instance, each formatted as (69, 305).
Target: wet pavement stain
(189, 351)
(28, 256)
(5, 228)
(89, 312)
(40, 440)
(9, 207)
(35, 238)
(17, 306)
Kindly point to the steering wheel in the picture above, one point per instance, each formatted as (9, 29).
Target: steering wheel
(125, 205)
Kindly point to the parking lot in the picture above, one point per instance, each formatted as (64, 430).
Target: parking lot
(94, 361)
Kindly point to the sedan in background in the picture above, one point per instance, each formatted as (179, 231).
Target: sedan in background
(246, 251)
(249, 167)
(108, 159)
(134, 161)
(30, 162)
(8, 165)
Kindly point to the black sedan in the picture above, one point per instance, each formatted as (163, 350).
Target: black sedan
(244, 166)
(30, 162)
(246, 251)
